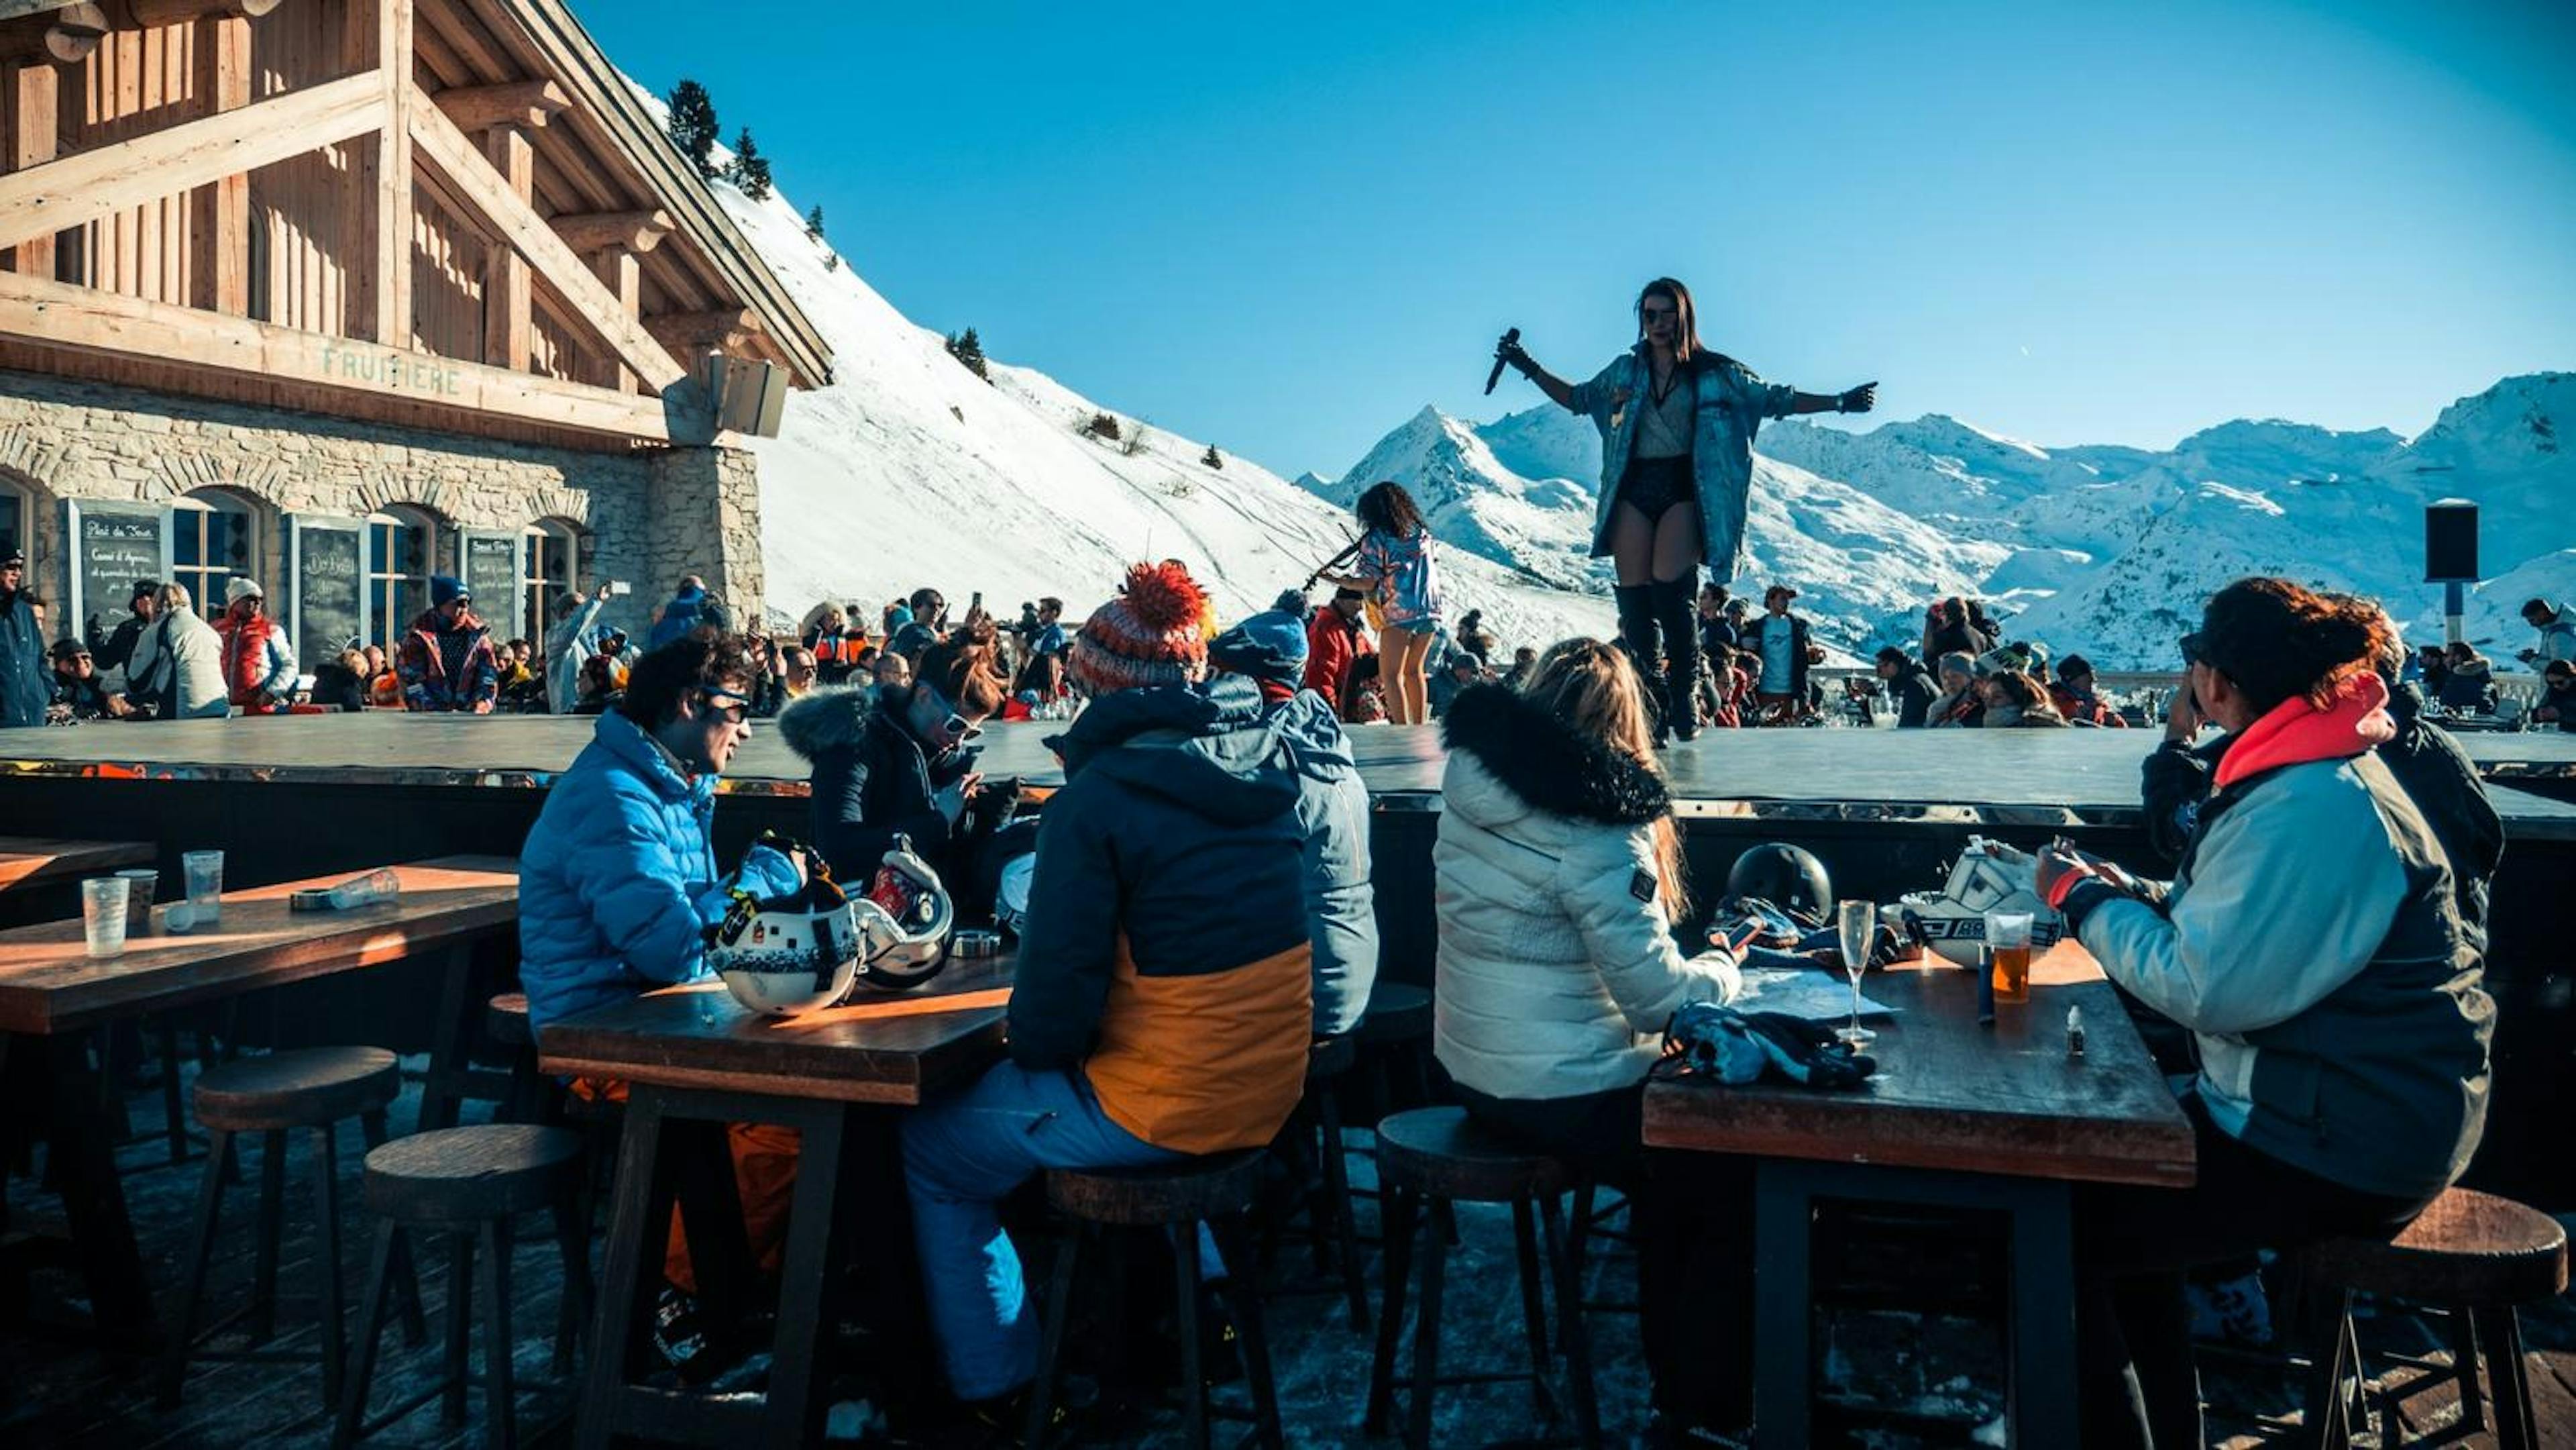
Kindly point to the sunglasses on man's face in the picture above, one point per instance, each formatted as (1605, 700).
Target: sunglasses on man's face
(735, 708)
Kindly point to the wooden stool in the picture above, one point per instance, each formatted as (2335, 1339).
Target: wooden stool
(2472, 1253)
(530, 1098)
(466, 1184)
(315, 1088)
(1436, 1154)
(1216, 1191)
(1394, 1038)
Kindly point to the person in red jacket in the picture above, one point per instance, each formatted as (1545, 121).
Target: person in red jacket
(1336, 640)
(2073, 695)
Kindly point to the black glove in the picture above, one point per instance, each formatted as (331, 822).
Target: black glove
(1808, 1052)
(1857, 400)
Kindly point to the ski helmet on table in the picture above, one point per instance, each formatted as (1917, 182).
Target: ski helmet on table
(904, 921)
(1786, 876)
(787, 954)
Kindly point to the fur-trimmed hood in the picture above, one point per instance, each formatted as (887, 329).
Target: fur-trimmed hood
(1542, 764)
(831, 718)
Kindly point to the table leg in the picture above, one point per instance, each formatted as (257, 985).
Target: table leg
(794, 1410)
(1782, 1210)
(623, 1287)
(2043, 1312)
(701, 1156)
(448, 1044)
(83, 1161)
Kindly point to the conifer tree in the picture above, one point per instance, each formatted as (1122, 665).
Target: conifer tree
(1212, 458)
(750, 168)
(968, 349)
(693, 125)
(814, 223)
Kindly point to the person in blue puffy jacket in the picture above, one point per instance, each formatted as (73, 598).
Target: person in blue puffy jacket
(617, 884)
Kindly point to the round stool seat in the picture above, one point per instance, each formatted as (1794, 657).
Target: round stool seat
(309, 1087)
(2468, 1248)
(1439, 1152)
(465, 1175)
(1332, 1057)
(505, 1020)
(1210, 1187)
(1396, 1013)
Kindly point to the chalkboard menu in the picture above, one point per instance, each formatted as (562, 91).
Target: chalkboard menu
(328, 590)
(114, 547)
(492, 576)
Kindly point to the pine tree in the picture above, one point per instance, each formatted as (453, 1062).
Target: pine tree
(968, 349)
(693, 125)
(814, 223)
(750, 168)
(1212, 458)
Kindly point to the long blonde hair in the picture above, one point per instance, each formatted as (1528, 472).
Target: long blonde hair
(1593, 688)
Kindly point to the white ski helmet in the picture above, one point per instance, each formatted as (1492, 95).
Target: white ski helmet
(904, 921)
(1011, 897)
(789, 954)
(1988, 876)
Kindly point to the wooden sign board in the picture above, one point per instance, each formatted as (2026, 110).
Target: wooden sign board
(489, 564)
(325, 566)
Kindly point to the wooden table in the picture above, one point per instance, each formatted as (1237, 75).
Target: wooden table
(1960, 1115)
(694, 1060)
(53, 997)
(36, 860)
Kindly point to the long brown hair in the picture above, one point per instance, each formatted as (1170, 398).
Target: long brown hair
(962, 668)
(1387, 508)
(1592, 688)
(1688, 351)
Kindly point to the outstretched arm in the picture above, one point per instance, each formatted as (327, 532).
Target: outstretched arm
(1857, 400)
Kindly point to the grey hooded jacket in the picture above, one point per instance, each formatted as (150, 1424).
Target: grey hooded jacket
(1729, 405)
(1333, 815)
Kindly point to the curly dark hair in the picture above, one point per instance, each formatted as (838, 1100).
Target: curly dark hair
(1387, 507)
(665, 677)
(2277, 641)
(964, 670)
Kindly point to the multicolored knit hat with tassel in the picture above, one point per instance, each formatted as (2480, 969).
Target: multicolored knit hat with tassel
(1155, 632)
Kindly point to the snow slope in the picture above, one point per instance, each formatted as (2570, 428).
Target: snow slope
(910, 470)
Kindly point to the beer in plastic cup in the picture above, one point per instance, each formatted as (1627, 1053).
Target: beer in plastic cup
(103, 915)
(2008, 935)
(141, 884)
(205, 872)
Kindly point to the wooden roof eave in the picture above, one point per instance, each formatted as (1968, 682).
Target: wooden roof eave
(576, 60)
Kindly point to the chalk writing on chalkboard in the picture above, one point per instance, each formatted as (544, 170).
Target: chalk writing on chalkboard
(327, 590)
(492, 576)
(118, 548)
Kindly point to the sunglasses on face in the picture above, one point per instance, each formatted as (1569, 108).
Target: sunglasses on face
(1657, 314)
(960, 729)
(2191, 650)
(735, 708)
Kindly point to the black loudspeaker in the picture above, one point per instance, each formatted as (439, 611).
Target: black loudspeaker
(2450, 542)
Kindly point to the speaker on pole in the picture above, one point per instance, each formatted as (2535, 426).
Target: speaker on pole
(2451, 542)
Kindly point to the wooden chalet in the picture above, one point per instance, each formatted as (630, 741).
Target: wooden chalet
(342, 294)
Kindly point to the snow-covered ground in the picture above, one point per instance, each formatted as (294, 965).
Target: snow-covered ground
(909, 470)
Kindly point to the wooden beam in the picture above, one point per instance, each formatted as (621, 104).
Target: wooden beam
(171, 12)
(219, 223)
(388, 285)
(598, 231)
(517, 224)
(519, 103)
(104, 180)
(622, 274)
(57, 314)
(507, 297)
(67, 39)
(689, 334)
(34, 95)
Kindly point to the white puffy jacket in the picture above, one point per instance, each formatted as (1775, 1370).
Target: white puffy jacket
(1558, 968)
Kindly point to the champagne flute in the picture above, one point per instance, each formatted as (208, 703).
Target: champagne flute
(1856, 922)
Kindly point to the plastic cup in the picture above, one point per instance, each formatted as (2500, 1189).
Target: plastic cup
(205, 872)
(142, 884)
(103, 915)
(2008, 935)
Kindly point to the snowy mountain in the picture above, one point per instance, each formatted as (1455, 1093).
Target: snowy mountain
(2103, 549)
(910, 470)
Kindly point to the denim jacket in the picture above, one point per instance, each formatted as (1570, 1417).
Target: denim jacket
(1729, 407)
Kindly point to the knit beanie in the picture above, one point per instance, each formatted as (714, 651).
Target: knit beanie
(237, 589)
(1270, 645)
(1957, 659)
(446, 587)
(1154, 633)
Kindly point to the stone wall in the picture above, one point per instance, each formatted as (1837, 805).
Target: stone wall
(645, 517)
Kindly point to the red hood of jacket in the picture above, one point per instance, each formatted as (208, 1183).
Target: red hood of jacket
(2295, 732)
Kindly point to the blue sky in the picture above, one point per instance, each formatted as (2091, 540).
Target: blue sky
(1285, 228)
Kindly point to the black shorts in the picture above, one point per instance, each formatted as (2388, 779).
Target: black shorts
(1655, 486)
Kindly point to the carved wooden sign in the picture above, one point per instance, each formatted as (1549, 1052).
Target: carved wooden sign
(393, 369)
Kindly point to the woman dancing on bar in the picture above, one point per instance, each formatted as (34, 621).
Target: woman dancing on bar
(1675, 472)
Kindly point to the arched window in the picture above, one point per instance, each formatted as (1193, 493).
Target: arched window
(402, 543)
(17, 518)
(552, 565)
(214, 535)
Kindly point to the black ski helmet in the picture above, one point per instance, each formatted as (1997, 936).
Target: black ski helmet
(1786, 876)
